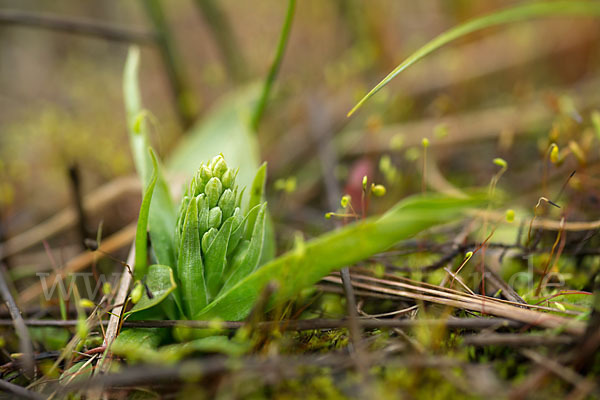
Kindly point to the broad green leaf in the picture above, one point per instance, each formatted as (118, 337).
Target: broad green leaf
(225, 129)
(141, 234)
(216, 259)
(162, 215)
(190, 269)
(213, 344)
(302, 267)
(514, 14)
(139, 344)
(161, 283)
(252, 253)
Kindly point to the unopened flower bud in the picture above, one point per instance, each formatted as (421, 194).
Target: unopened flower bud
(219, 167)
(213, 191)
(228, 178)
(227, 203)
(215, 216)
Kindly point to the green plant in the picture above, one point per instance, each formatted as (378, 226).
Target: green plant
(208, 261)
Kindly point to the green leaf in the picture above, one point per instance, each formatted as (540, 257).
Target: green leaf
(216, 260)
(213, 344)
(162, 216)
(252, 254)
(139, 344)
(256, 196)
(302, 267)
(225, 129)
(141, 234)
(514, 14)
(190, 269)
(161, 283)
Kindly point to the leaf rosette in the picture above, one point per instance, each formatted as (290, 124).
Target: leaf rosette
(217, 242)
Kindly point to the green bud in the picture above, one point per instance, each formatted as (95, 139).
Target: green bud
(82, 327)
(215, 216)
(228, 178)
(137, 292)
(208, 238)
(106, 288)
(219, 168)
(227, 203)
(205, 173)
(213, 191)
(203, 211)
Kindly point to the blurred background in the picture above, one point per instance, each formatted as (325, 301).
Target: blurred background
(504, 92)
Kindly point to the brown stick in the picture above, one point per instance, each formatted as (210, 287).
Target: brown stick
(77, 26)
(110, 244)
(115, 318)
(487, 306)
(63, 220)
(516, 340)
(25, 345)
(299, 325)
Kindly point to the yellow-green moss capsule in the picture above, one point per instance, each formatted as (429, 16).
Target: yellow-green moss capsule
(86, 303)
(510, 215)
(500, 162)
(106, 288)
(378, 190)
(345, 201)
(554, 154)
(425, 143)
(364, 182)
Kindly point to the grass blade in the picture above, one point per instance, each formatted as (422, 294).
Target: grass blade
(283, 39)
(162, 216)
(514, 14)
(141, 234)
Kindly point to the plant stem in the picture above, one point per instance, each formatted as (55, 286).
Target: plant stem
(283, 39)
(185, 101)
(232, 55)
